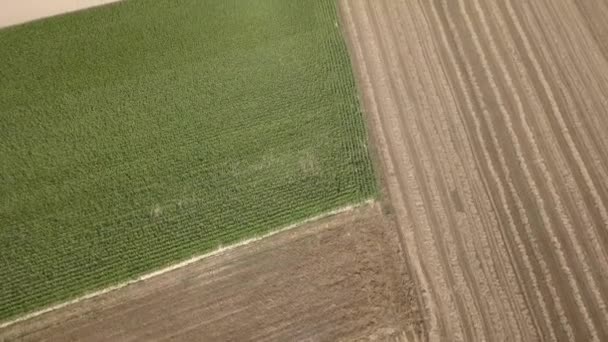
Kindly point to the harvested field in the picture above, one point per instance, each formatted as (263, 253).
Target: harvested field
(342, 278)
(491, 121)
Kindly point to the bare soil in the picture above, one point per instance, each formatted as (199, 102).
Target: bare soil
(18, 12)
(343, 278)
(490, 118)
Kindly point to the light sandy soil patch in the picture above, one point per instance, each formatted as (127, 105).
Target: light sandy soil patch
(13, 12)
(342, 278)
(490, 117)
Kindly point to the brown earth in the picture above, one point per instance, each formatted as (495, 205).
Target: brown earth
(491, 121)
(343, 278)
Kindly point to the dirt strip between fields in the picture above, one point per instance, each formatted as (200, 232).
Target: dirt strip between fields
(14, 12)
(490, 117)
(342, 278)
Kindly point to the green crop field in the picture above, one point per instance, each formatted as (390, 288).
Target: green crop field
(139, 134)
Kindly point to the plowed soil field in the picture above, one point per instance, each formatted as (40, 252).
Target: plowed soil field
(491, 121)
(343, 278)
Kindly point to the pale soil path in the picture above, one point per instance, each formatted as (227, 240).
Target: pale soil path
(13, 12)
(491, 120)
(341, 278)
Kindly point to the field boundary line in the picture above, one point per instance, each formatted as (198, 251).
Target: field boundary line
(219, 250)
(28, 15)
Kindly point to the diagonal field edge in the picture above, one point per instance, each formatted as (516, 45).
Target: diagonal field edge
(19, 13)
(184, 263)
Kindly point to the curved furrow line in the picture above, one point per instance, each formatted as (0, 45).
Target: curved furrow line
(426, 110)
(438, 216)
(584, 120)
(576, 242)
(600, 260)
(580, 42)
(484, 217)
(591, 12)
(583, 33)
(585, 83)
(477, 242)
(584, 79)
(427, 258)
(520, 244)
(564, 127)
(520, 207)
(564, 167)
(545, 173)
(488, 228)
(501, 190)
(585, 88)
(598, 230)
(469, 261)
(434, 326)
(587, 134)
(495, 160)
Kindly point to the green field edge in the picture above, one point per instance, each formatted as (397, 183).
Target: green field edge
(177, 264)
(284, 220)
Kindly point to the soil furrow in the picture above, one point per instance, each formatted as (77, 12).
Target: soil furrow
(505, 149)
(438, 192)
